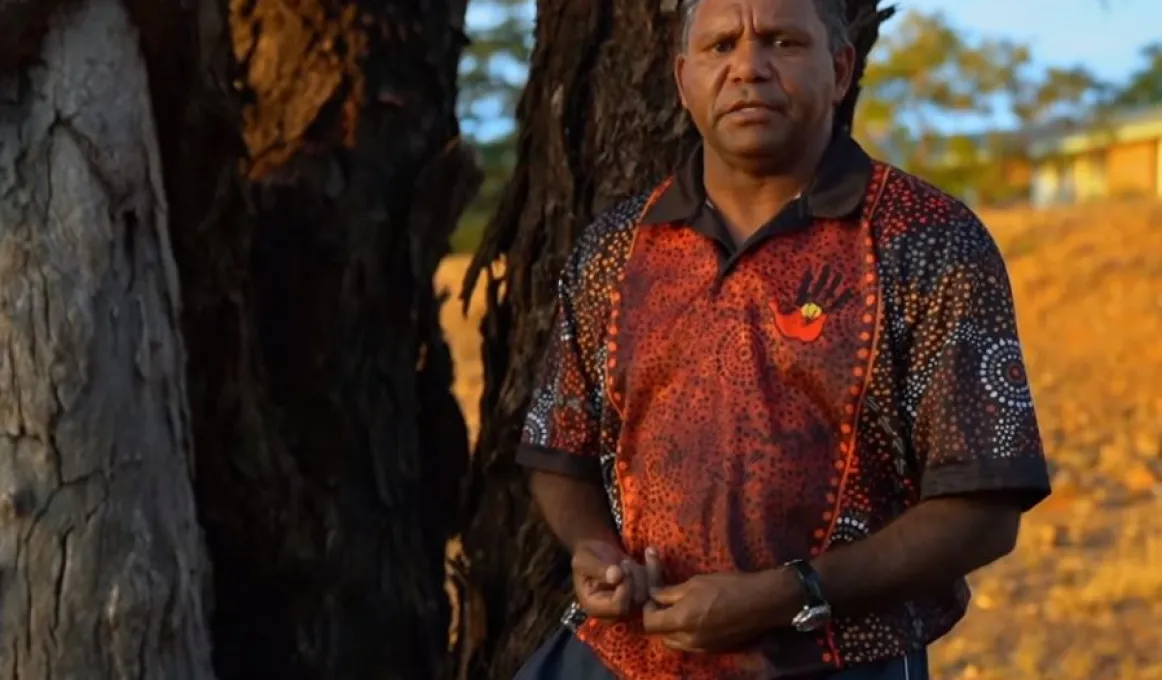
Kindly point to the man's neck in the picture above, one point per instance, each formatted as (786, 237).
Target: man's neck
(748, 197)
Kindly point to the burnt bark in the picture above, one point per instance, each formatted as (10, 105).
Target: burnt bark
(599, 120)
(102, 569)
(316, 172)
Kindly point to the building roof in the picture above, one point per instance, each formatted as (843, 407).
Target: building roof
(1123, 126)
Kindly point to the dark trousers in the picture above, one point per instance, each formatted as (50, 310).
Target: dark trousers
(564, 657)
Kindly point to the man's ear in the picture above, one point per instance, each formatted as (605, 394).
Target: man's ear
(679, 67)
(844, 63)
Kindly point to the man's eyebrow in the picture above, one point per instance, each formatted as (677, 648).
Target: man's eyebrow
(731, 29)
(720, 27)
(782, 25)
(717, 34)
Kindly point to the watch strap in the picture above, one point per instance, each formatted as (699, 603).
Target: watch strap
(809, 580)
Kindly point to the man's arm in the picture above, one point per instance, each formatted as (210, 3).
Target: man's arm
(927, 548)
(561, 445)
(971, 425)
(608, 583)
(930, 546)
(576, 510)
(561, 442)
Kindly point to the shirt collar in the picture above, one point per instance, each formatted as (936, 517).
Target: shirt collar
(836, 192)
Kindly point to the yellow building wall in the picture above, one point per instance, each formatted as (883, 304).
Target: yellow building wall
(1049, 178)
(1045, 187)
(1089, 175)
(1132, 169)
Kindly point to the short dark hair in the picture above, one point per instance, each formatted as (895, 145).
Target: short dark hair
(832, 12)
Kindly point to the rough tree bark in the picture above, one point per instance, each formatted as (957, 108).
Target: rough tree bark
(330, 446)
(102, 568)
(599, 121)
(313, 172)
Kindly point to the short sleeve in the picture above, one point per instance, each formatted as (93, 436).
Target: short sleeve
(562, 429)
(974, 427)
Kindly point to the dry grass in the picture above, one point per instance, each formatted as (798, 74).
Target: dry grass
(1082, 596)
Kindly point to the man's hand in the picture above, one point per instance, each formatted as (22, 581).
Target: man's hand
(718, 612)
(608, 583)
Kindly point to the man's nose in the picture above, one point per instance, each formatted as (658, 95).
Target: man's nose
(752, 61)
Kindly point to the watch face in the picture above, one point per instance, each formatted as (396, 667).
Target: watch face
(811, 618)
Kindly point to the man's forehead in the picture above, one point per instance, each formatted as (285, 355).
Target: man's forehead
(775, 11)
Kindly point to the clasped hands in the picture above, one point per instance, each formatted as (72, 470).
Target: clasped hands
(712, 612)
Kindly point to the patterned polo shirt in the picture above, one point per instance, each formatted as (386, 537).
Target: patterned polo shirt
(746, 406)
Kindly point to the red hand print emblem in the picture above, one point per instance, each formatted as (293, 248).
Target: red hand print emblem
(816, 299)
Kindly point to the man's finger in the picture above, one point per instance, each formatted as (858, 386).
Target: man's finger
(668, 596)
(653, 569)
(681, 643)
(661, 620)
(623, 598)
(589, 565)
(605, 604)
(600, 607)
(635, 575)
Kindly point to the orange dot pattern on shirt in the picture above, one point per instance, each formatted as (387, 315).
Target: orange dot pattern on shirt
(944, 409)
(725, 415)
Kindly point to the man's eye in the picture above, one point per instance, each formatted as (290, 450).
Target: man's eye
(723, 46)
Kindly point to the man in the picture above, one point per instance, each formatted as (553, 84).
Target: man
(785, 411)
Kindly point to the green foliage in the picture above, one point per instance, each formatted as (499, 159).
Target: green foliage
(497, 157)
(493, 66)
(466, 239)
(928, 84)
(492, 73)
(1144, 87)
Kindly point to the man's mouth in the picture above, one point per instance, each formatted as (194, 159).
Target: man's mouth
(750, 112)
(749, 106)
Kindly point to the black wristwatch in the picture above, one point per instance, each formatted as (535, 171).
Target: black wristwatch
(816, 613)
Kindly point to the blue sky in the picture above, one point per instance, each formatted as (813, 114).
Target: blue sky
(1106, 36)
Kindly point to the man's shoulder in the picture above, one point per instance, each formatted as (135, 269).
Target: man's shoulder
(606, 240)
(620, 217)
(911, 213)
(625, 213)
(910, 201)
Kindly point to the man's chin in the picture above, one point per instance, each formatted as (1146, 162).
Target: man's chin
(765, 151)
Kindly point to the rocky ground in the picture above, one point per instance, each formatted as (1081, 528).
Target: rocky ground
(1082, 596)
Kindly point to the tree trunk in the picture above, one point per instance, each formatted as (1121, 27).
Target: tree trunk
(330, 446)
(313, 172)
(599, 121)
(102, 569)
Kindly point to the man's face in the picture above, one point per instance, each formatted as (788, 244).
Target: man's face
(759, 77)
